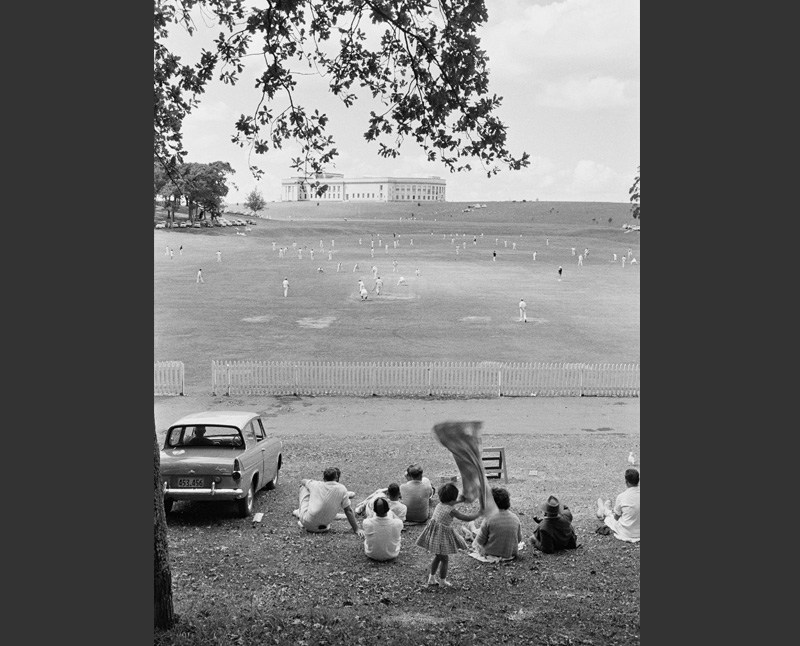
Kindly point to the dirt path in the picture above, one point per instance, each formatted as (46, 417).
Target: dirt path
(358, 416)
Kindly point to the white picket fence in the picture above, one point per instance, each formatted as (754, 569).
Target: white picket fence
(168, 378)
(423, 379)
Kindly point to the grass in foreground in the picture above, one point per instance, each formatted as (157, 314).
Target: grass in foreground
(273, 583)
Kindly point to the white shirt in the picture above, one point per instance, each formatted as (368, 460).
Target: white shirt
(627, 507)
(522, 305)
(382, 537)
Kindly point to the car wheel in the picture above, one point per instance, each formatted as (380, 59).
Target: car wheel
(274, 482)
(168, 505)
(246, 504)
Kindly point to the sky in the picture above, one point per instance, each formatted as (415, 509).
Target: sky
(568, 72)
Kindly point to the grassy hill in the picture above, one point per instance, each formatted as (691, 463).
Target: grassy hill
(462, 306)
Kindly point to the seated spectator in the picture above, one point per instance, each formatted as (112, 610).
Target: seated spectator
(417, 493)
(391, 494)
(555, 532)
(623, 518)
(200, 438)
(396, 505)
(382, 533)
(500, 534)
(320, 502)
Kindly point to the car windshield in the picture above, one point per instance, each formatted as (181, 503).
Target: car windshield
(204, 435)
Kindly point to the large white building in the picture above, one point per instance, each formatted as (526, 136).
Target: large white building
(365, 189)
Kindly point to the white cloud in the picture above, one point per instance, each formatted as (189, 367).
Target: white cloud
(212, 111)
(589, 94)
(593, 179)
(575, 36)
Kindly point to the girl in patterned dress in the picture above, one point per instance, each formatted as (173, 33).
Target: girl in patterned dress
(439, 536)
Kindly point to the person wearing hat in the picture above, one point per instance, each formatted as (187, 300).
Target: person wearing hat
(554, 532)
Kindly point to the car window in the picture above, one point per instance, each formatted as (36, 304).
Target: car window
(261, 427)
(249, 433)
(257, 429)
(204, 435)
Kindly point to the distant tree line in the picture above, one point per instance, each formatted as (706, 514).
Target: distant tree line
(201, 187)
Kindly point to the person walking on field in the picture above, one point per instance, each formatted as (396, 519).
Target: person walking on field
(378, 285)
(559, 272)
(200, 276)
(580, 261)
(494, 256)
(522, 316)
(180, 250)
(285, 287)
(219, 256)
(170, 253)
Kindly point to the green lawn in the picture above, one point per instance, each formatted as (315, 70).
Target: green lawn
(234, 583)
(461, 308)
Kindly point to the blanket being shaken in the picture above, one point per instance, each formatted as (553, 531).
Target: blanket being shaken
(463, 440)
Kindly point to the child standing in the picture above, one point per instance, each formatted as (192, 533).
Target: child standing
(439, 536)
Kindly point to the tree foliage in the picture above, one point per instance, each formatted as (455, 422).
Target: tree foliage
(202, 186)
(634, 193)
(255, 201)
(420, 60)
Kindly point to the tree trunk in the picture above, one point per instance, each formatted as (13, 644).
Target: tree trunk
(164, 615)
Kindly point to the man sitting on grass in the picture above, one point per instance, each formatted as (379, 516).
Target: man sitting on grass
(500, 534)
(320, 502)
(555, 531)
(417, 493)
(382, 533)
(391, 494)
(623, 519)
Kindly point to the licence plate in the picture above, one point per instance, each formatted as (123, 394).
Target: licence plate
(191, 482)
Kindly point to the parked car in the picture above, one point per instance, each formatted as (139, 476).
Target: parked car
(219, 455)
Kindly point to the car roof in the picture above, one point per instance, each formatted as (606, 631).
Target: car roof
(237, 418)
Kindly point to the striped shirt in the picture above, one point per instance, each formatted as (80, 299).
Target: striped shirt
(500, 534)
